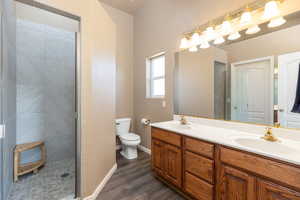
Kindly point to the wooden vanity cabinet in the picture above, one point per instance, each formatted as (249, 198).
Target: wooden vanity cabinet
(167, 157)
(271, 191)
(173, 164)
(252, 177)
(198, 188)
(158, 156)
(206, 171)
(199, 147)
(199, 166)
(236, 185)
(199, 169)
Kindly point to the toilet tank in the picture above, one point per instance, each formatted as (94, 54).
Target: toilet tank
(123, 125)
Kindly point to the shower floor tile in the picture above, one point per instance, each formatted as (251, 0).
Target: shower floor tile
(47, 184)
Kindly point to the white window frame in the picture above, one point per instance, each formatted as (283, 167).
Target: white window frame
(150, 79)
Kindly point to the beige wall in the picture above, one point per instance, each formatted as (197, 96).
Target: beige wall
(124, 76)
(98, 53)
(272, 44)
(194, 93)
(158, 26)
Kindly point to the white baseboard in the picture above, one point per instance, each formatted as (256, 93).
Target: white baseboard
(144, 149)
(102, 184)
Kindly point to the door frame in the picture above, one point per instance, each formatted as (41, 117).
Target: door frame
(234, 84)
(78, 89)
(281, 88)
(225, 87)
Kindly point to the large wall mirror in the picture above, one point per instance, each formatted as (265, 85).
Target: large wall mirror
(255, 79)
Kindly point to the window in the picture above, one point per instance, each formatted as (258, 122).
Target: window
(156, 76)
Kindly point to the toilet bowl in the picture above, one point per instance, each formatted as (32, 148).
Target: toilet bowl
(129, 141)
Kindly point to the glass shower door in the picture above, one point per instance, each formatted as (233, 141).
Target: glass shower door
(7, 94)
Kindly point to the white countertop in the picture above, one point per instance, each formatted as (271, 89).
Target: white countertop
(288, 149)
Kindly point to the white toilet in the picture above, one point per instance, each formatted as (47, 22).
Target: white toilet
(129, 141)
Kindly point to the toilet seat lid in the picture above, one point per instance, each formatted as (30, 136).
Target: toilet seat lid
(130, 136)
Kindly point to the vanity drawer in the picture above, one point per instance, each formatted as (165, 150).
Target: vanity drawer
(198, 188)
(277, 171)
(200, 147)
(166, 136)
(199, 166)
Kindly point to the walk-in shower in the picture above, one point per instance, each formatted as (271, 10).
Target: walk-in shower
(38, 101)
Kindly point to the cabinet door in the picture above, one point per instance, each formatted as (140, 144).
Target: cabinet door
(173, 164)
(158, 156)
(236, 185)
(270, 191)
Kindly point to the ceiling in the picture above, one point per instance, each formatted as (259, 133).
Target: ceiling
(128, 6)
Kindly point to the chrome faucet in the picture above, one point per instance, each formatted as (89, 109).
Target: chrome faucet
(183, 120)
(269, 136)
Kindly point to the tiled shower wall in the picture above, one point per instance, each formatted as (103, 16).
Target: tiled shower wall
(46, 89)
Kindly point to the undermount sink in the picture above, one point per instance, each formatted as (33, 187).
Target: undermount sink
(177, 125)
(262, 145)
(181, 126)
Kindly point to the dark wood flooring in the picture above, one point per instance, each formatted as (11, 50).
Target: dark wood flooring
(133, 180)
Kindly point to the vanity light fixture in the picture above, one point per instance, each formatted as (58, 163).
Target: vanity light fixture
(271, 9)
(226, 27)
(196, 39)
(278, 21)
(193, 49)
(184, 44)
(210, 33)
(253, 29)
(234, 36)
(219, 40)
(204, 44)
(233, 23)
(246, 17)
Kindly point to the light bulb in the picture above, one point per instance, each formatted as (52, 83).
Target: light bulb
(271, 10)
(210, 33)
(219, 40)
(196, 39)
(276, 22)
(234, 36)
(184, 44)
(193, 49)
(226, 28)
(253, 29)
(246, 18)
(204, 45)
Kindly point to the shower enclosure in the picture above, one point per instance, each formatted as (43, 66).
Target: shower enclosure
(38, 97)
